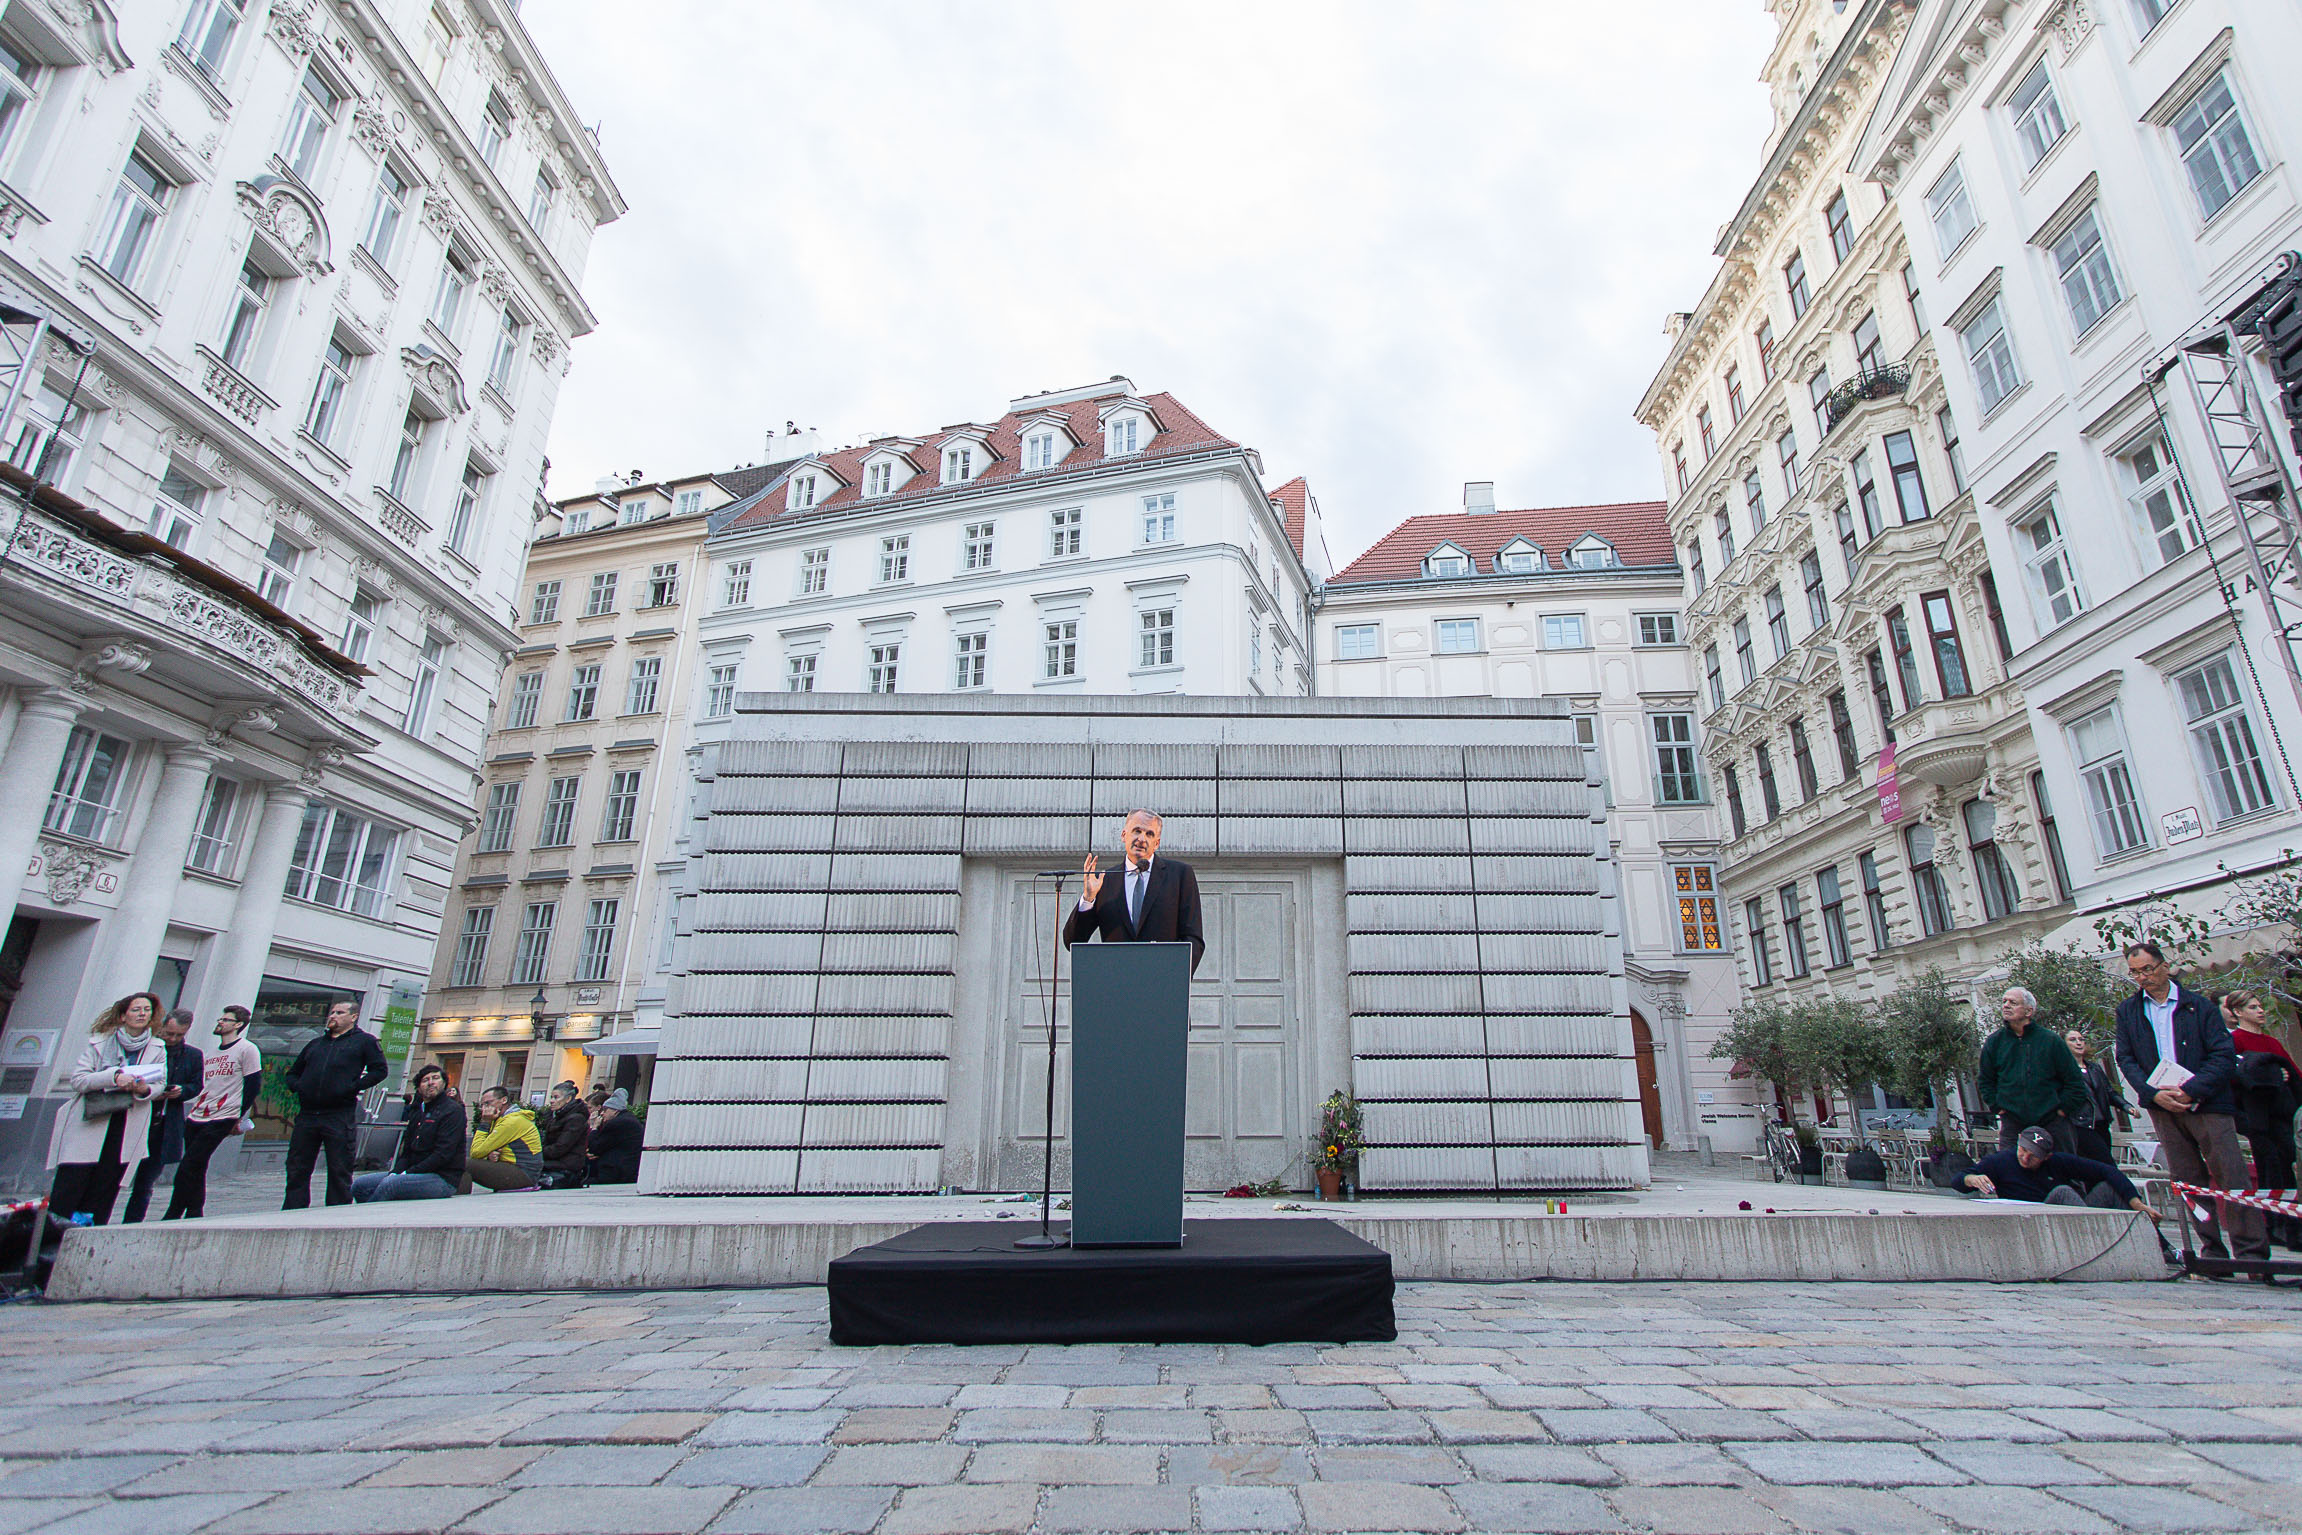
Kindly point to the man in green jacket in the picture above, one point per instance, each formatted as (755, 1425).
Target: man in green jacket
(2029, 1075)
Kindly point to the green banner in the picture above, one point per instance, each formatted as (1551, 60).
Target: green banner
(396, 1031)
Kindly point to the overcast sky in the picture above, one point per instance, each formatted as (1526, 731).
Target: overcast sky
(1393, 246)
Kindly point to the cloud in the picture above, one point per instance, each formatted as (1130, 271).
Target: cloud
(1393, 246)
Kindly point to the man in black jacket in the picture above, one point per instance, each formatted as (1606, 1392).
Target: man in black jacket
(1154, 900)
(615, 1144)
(164, 1143)
(431, 1157)
(2034, 1170)
(2191, 1107)
(327, 1079)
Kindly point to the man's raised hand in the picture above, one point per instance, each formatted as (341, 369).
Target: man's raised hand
(1094, 880)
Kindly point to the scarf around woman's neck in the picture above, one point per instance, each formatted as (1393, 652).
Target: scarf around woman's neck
(134, 1043)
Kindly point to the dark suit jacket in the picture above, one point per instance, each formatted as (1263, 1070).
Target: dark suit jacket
(1170, 910)
(2201, 1043)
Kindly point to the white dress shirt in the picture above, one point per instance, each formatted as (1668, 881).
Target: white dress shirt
(1135, 877)
(2161, 1016)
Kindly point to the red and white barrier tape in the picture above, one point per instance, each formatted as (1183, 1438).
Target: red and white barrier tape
(2275, 1201)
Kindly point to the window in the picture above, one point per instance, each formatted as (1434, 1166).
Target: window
(1734, 800)
(1458, 636)
(1777, 622)
(1794, 283)
(2222, 738)
(1754, 500)
(1874, 902)
(2216, 149)
(535, 945)
(546, 607)
(495, 128)
(1926, 885)
(801, 496)
(663, 584)
(2099, 744)
(341, 860)
(646, 681)
(2053, 583)
(386, 210)
(600, 600)
(1358, 642)
(1039, 450)
(1521, 561)
(1754, 923)
(2089, 286)
(448, 297)
(1061, 648)
(1695, 568)
(1910, 296)
(1122, 435)
(1746, 659)
(1658, 628)
(958, 465)
(1793, 930)
(719, 691)
(1942, 639)
(1158, 635)
(1947, 425)
(971, 655)
(1447, 561)
(1866, 493)
(1064, 533)
(1950, 211)
(1735, 401)
(276, 581)
(583, 692)
(471, 963)
(1883, 700)
(1698, 907)
(1254, 648)
(1905, 657)
(1840, 223)
(688, 503)
(622, 809)
(527, 695)
(1765, 340)
(598, 941)
(1996, 613)
(1563, 631)
(880, 671)
(178, 508)
(1991, 356)
(207, 33)
(310, 117)
(1909, 489)
(2051, 836)
(1723, 526)
(1842, 732)
(814, 572)
(425, 691)
(2038, 121)
(360, 623)
(975, 546)
(1594, 761)
(735, 584)
(799, 673)
(1677, 778)
(1818, 391)
(471, 490)
(1802, 762)
(1832, 904)
(1709, 432)
(86, 796)
(328, 391)
(251, 297)
(501, 822)
(138, 203)
(408, 455)
(2149, 13)
(2000, 894)
(634, 508)
(541, 196)
(1869, 345)
(1711, 675)
(894, 559)
(1769, 795)
(1786, 454)
(558, 828)
(1817, 599)
(1679, 464)
(509, 331)
(2155, 497)
(1849, 546)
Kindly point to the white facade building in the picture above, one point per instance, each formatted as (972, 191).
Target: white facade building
(315, 272)
(2084, 183)
(1580, 604)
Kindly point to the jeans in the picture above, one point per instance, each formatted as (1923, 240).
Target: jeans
(496, 1177)
(189, 1196)
(2101, 1197)
(372, 1186)
(317, 1130)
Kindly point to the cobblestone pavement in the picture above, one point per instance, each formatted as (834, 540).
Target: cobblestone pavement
(1523, 1407)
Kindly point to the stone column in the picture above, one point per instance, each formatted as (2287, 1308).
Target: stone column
(235, 963)
(148, 888)
(28, 777)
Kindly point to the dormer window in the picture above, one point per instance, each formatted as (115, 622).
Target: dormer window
(1447, 560)
(804, 488)
(878, 478)
(1040, 452)
(1593, 553)
(1125, 435)
(1518, 558)
(958, 465)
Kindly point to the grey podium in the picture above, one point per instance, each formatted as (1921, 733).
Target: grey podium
(1130, 1019)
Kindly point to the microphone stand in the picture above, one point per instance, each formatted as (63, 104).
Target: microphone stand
(1045, 1239)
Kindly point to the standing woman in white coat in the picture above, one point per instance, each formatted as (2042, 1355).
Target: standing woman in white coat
(91, 1154)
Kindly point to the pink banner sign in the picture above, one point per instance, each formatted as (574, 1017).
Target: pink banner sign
(1889, 792)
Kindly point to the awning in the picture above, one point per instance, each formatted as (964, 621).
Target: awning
(629, 1042)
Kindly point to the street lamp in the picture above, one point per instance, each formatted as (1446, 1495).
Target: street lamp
(544, 1027)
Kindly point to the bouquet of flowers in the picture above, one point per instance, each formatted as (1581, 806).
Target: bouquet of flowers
(1341, 1136)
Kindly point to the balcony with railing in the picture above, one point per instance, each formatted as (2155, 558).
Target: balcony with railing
(1870, 384)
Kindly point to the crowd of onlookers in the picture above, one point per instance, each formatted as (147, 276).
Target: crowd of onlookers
(140, 1090)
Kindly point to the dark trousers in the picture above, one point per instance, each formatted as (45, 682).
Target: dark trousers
(140, 1190)
(2058, 1126)
(2202, 1150)
(2274, 1169)
(328, 1129)
(2094, 1143)
(2101, 1197)
(90, 1187)
(496, 1177)
(189, 1197)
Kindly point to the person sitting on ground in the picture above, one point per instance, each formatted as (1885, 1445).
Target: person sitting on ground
(567, 1136)
(508, 1153)
(615, 1145)
(2104, 1101)
(2035, 1171)
(595, 1103)
(430, 1163)
(2029, 1075)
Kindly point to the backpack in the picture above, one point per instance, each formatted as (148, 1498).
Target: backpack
(2265, 1101)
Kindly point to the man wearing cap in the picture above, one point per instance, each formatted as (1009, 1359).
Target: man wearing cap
(615, 1142)
(2035, 1171)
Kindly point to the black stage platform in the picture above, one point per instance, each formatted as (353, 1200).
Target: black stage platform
(1232, 1281)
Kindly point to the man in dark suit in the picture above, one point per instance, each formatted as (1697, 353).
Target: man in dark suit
(2195, 1117)
(1155, 900)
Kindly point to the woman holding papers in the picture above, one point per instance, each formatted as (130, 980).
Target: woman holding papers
(108, 1111)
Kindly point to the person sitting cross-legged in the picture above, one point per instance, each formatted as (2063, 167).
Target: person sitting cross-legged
(431, 1158)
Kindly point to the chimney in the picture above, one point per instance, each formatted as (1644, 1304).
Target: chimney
(606, 483)
(1479, 498)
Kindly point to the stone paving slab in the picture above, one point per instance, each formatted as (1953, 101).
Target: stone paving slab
(1630, 1410)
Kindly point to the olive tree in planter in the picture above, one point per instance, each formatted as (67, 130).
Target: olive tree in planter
(1757, 1039)
(1932, 1037)
(1833, 1041)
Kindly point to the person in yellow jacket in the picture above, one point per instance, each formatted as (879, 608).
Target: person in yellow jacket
(508, 1152)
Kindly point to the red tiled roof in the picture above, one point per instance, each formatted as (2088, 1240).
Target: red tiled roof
(1636, 528)
(1180, 432)
(1293, 500)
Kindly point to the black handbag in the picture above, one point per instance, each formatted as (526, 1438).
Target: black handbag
(105, 1104)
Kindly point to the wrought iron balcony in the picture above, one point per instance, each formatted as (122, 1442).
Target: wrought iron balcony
(1872, 384)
